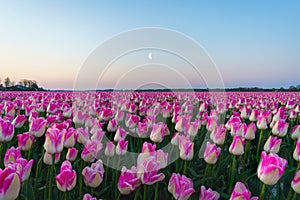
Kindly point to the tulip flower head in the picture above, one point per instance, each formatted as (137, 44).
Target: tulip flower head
(66, 179)
(180, 186)
(270, 168)
(208, 194)
(93, 175)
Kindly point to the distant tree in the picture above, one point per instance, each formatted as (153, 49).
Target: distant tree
(13, 83)
(298, 87)
(7, 82)
(292, 88)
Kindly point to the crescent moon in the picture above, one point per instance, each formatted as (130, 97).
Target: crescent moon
(150, 56)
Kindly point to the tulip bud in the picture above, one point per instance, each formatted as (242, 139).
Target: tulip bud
(296, 182)
(48, 158)
(128, 180)
(270, 168)
(211, 153)
(37, 127)
(72, 154)
(25, 141)
(10, 183)
(93, 175)
(66, 179)
(6, 131)
(208, 194)
(110, 149)
(181, 187)
(237, 145)
(272, 145)
(121, 148)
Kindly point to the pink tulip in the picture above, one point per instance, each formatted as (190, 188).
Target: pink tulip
(186, 148)
(10, 184)
(11, 155)
(119, 116)
(110, 149)
(240, 192)
(272, 145)
(132, 121)
(212, 122)
(25, 141)
(182, 124)
(296, 154)
(128, 180)
(87, 196)
(143, 130)
(158, 132)
(270, 168)
(238, 129)
(83, 135)
(295, 133)
(181, 187)
(296, 182)
(254, 115)
(93, 175)
(231, 121)
(280, 128)
(37, 127)
(70, 138)
(71, 154)
(121, 148)
(148, 147)
(19, 121)
(174, 140)
(120, 134)
(218, 135)
(148, 168)
(66, 179)
(98, 135)
(6, 131)
(249, 134)
(237, 145)
(193, 128)
(262, 123)
(106, 114)
(48, 158)
(91, 150)
(23, 167)
(245, 112)
(112, 125)
(208, 194)
(79, 118)
(54, 140)
(211, 153)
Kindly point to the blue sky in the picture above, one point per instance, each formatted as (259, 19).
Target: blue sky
(253, 43)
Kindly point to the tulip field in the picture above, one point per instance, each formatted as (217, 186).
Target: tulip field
(149, 145)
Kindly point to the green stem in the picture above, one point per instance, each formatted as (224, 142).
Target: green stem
(28, 156)
(156, 192)
(136, 194)
(80, 178)
(295, 196)
(65, 195)
(92, 191)
(37, 172)
(247, 149)
(232, 175)
(259, 141)
(205, 173)
(145, 192)
(106, 171)
(50, 177)
(262, 193)
(185, 167)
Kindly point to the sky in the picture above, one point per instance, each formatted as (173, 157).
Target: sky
(251, 43)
